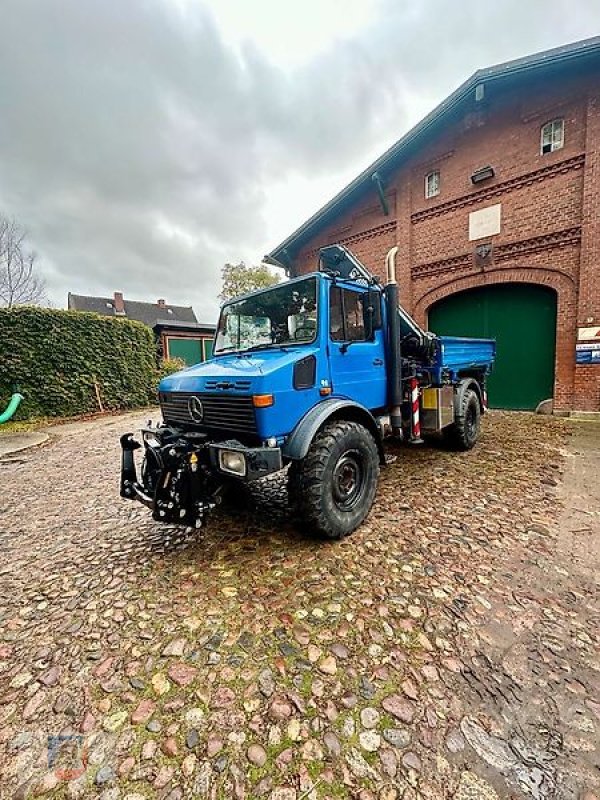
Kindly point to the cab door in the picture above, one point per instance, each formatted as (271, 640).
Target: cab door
(357, 365)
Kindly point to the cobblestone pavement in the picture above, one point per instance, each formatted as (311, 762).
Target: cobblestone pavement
(448, 649)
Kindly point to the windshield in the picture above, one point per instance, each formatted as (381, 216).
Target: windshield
(284, 315)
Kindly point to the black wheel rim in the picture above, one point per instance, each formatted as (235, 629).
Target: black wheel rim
(471, 423)
(348, 480)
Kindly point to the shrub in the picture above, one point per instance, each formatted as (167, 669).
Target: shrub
(168, 366)
(62, 361)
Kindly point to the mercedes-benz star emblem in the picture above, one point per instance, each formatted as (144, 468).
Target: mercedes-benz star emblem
(196, 409)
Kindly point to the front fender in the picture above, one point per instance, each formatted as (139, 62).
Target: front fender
(305, 431)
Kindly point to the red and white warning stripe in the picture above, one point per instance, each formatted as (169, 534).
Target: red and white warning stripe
(414, 397)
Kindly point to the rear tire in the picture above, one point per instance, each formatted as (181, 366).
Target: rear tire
(334, 485)
(464, 431)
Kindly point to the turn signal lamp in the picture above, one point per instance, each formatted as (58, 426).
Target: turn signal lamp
(262, 400)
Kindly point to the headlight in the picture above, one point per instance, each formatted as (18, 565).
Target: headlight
(232, 461)
(151, 439)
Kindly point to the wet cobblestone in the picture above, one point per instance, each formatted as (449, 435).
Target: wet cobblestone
(441, 651)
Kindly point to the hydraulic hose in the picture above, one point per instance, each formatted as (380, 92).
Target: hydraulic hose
(11, 408)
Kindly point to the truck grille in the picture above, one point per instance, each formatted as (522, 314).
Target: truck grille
(221, 412)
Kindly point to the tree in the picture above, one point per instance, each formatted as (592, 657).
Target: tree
(240, 279)
(19, 283)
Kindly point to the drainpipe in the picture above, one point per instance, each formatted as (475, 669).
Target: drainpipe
(395, 372)
(11, 408)
(377, 180)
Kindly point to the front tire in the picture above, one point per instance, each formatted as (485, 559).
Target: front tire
(464, 431)
(237, 496)
(334, 485)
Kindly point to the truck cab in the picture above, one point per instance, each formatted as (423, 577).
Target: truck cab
(297, 369)
(286, 348)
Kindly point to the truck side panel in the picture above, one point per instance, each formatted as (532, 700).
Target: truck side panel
(457, 354)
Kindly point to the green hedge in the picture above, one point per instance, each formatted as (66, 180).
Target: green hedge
(57, 358)
(168, 366)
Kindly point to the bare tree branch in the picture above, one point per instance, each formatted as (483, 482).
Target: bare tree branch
(19, 283)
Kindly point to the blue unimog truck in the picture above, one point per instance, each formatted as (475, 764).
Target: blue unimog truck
(310, 375)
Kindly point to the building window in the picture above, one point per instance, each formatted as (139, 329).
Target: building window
(432, 184)
(553, 136)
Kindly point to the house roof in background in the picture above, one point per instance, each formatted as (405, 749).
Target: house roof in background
(148, 313)
(558, 57)
(184, 326)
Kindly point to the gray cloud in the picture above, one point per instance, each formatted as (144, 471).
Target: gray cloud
(138, 147)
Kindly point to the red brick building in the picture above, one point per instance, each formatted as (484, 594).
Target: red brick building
(494, 202)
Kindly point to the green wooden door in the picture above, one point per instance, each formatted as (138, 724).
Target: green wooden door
(522, 319)
(208, 349)
(190, 350)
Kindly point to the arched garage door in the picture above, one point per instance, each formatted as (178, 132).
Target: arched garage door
(522, 319)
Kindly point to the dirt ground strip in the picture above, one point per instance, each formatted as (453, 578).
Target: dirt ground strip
(448, 649)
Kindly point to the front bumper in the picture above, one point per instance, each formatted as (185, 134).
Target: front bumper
(260, 461)
(182, 475)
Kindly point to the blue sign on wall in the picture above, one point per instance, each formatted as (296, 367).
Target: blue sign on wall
(587, 353)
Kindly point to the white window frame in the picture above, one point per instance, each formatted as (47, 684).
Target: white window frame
(552, 134)
(429, 193)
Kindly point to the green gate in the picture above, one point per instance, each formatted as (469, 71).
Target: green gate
(522, 319)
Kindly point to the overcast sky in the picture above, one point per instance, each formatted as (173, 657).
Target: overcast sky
(144, 143)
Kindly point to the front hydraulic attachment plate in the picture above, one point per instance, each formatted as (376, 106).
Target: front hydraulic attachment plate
(128, 473)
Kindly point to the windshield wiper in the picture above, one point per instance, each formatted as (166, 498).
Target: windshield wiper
(263, 346)
(236, 351)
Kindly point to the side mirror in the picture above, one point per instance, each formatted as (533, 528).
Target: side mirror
(372, 313)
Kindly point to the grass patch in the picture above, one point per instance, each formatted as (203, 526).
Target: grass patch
(24, 426)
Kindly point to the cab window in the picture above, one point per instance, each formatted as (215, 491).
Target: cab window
(346, 315)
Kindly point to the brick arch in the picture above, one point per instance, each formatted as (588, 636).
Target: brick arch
(561, 282)
(566, 291)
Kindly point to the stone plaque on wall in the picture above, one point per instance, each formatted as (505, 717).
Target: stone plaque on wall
(485, 222)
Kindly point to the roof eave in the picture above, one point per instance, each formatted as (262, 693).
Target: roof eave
(538, 61)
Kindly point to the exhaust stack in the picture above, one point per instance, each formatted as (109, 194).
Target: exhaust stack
(395, 374)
